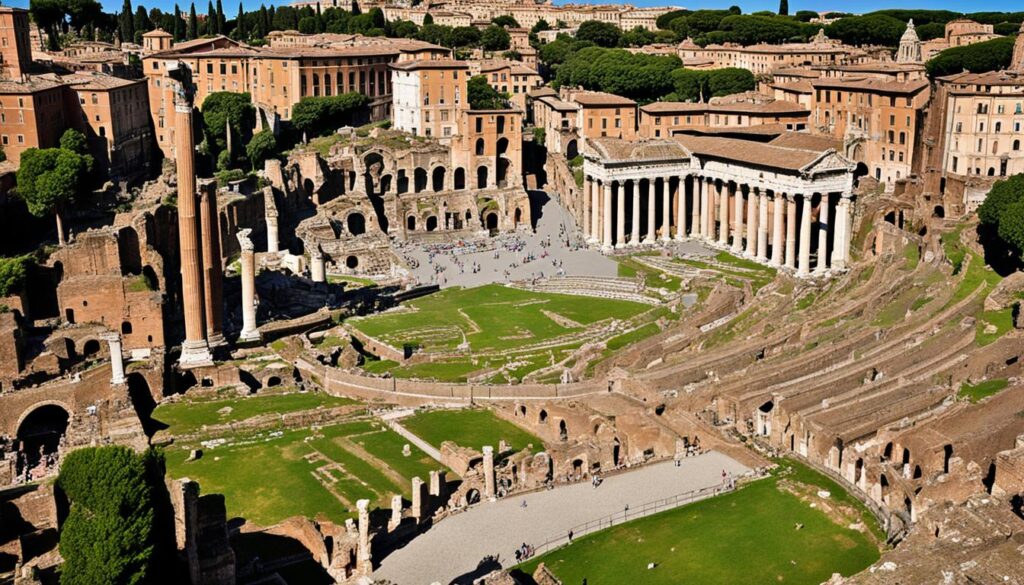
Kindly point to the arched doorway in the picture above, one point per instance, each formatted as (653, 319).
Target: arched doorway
(91, 348)
(356, 223)
(571, 150)
(460, 178)
(41, 431)
(432, 223)
(503, 166)
(492, 221)
(502, 146)
(518, 217)
(438, 179)
(481, 177)
(410, 223)
(419, 180)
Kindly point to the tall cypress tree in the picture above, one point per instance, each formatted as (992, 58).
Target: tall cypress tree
(179, 25)
(127, 23)
(211, 19)
(220, 18)
(141, 22)
(239, 29)
(193, 23)
(784, 7)
(264, 21)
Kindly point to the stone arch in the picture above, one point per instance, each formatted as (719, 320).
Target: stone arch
(126, 328)
(501, 147)
(887, 452)
(939, 212)
(41, 428)
(501, 178)
(402, 183)
(419, 183)
(478, 148)
(571, 149)
(491, 221)
(356, 223)
(410, 223)
(437, 179)
(460, 178)
(521, 410)
(481, 177)
(918, 473)
(563, 430)
(542, 416)
(128, 250)
(432, 223)
(273, 381)
(472, 496)
(905, 459)
(517, 217)
(858, 471)
(90, 348)
(501, 124)
(616, 452)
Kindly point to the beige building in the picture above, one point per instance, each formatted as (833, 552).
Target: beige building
(959, 33)
(430, 96)
(765, 58)
(601, 114)
(665, 119)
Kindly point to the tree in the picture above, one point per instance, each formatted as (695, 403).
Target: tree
(50, 178)
(223, 108)
(220, 18)
(638, 37)
(322, 115)
(13, 272)
(634, 75)
(977, 58)
(806, 15)
(262, 146)
(211, 19)
(602, 34)
(428, 19)
(505, 20)
(193, 23)
(141, 23)
(47, 14)
(239, 31)
(495, 38)
(307, 25)
(870, 29)
(465, 36)
(541, 25)
(482, 96)
(126, 23)
(665, 19)
(108, 536)
(1003, 195)
(783, 7)
(179, 25)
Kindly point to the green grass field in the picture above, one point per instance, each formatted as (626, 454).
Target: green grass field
(469, 428)
(748, 537)
(492, 317)
(982, 390)
(266, 481)
(189, 416)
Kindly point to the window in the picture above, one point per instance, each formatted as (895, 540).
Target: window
(999, 126)
(223, 69)
(209, 68)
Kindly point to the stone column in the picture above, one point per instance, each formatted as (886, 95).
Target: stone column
(116, 358)
(363, 564)
(823, 227)
(213, 269)
(841, 240)
(723, 214)
(707, 204)
(194, 349)
(437, 485)
(805, 237)
(595, 212)
(778, 211)
(620, 221)
(272, 243)
(248, 261)
(791, 230)
(695, 199)
(396, 513)
(489, 472)
(634, 220)
(606, 218)
(762, 226)
(681, 208)
(666, 209)
(418, 511)
(652, 208)
(737, 230)
(585, 205)
(752, 213)
(317, 268)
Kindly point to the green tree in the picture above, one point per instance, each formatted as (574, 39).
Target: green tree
(221, 108)
(436, 34)
(49, 179)
(541, 25)
(495, 38)
(307, 25)
(1003, 195)
(179, 25)
(977, 58)
(193, 23)
(220, 18)
(1011, 227)
(482, 96)
(126, 23)
(262, 146)
(806, 15)
(428, 19)
(602, 34)
(48, 14)
(464, 36)
(141, 23)
(505, 20)
(211, 19)
(666, 19)
(783, 7)
(315, 116)
(13, 272)
(638, 37)
(108, 536)
(239, 31)
(870, 29)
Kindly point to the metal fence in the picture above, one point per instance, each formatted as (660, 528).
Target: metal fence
(630, 513)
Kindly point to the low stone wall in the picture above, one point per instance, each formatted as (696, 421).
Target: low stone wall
(377, 347)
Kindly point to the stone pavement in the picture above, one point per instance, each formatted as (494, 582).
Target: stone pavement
(554, 223)
(456, 545)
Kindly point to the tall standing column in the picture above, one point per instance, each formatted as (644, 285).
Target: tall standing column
(751, 247)
(595, 212)
(666, 208)
(489, 492)
(723, 214)
(213, 269)
(634, 220)
(681, 208)
(194, 349)
(248, 261)
(705, 193)
(737, 230)
(652, 211)
(584, 222)
(363, 564)
(805, 237)
(620, 221)
(841, 240)
(607, 219)
(418, 507)
(762, 226)
(116, 358)
(791, 230)
(778, 211)
(695, 199)
(823, 227)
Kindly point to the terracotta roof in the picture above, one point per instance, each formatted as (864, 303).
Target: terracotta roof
(798, 72)
(98, 81)
(542, 91)
(872, 84)
(302, 51)
(749, 151)
(795, 86)
(775, 107)
(557, 103)
(597, 98)
(791, 48)
(430, 64)
(805, 141)
(617, 149)
(990, 78)
(157, 33)
(34, 84)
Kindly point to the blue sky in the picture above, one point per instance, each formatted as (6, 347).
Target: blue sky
(231, 6)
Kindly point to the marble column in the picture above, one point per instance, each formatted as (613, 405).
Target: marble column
(666, 209)
(195, 350)
(396, 513)
(790, 230)
(489, 492)
(705, 207)
(805, 237)
(823, 227)
(606, 218)
(737, 230)
(417, 510)
(751, 247)
(585, 214)
(652, 209)
(248, 261)
(841, 240)
(762, 226)
(778, 211)
(695, 199)
(681, 208)
(595, 212)
(363, 563)
(317, 266)
(634, 220)
(620, 221)
(723, 214)
(116, 358)
(213, 268)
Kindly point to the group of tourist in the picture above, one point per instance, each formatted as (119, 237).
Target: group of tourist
(524, 552)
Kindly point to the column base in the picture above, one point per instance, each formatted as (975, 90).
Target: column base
(195, 354)
(215, 339)
(250, 336)
(117, 381)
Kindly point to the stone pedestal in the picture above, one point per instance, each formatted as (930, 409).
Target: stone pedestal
(116, 358)
(248, 261)
(489, 492)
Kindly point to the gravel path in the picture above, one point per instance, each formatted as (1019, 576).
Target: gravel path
(454, 547)
(554, 223)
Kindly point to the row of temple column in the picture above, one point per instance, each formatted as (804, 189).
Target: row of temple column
(780, 229)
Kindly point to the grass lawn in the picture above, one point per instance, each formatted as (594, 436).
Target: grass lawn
(745, 537)
(978, 274)
(1002, 320)
(982, 390)
(469, 428)
(492, 318)
(270, 480)
(187, 417)
(629, 268)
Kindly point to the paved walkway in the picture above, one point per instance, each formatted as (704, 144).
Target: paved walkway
(566, 250)
(454, 547)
